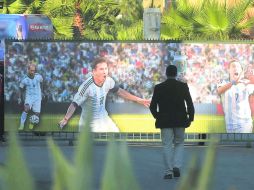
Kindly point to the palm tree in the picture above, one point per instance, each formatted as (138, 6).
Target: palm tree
(212, 19)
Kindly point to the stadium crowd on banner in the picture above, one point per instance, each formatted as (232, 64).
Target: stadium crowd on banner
(137, 67)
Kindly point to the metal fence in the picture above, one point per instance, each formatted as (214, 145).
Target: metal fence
(138, 137)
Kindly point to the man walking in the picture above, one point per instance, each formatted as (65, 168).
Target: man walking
(173, 109)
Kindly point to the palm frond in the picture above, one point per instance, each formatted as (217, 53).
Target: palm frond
(59, 9)
(175, 16)
(213, 19)
(210, 20)
(170, 32)
(63, 27)
(34, 7)
(17, 7)
(133, 32)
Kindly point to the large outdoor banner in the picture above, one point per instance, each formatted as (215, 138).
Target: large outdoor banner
(45, 77)
(21, 27)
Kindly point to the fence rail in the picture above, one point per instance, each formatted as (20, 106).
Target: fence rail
(137, 137)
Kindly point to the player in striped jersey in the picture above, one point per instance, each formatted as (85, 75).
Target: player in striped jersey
(30, 88)
(235, 94)
(91, 97)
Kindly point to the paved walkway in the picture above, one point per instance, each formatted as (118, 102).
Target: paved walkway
(234, 165)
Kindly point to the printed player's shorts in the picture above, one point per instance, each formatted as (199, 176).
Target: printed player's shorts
(34, 104)
(102, 125)
(246, 128)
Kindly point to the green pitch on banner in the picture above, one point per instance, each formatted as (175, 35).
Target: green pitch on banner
(136, 123)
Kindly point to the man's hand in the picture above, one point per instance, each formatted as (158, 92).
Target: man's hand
(244, 81)
(144, 102)
(63, 122)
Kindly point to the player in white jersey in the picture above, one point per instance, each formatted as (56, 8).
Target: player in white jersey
(31, 93)
(91, 97)
(235, 94)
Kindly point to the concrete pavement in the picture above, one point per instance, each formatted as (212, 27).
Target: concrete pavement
(234, 166)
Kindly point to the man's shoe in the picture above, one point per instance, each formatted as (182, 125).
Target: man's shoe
(168, 176)
(21, 127)
(176, 172)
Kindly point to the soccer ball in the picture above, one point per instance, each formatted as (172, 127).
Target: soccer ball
(34, 119)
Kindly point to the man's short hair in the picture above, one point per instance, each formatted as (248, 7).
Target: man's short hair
(171, 71)
(99, 60)
(235, 61)
(31, 65)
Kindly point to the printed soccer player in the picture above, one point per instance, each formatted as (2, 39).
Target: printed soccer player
(19, 32)
(235, 94)
(31, 93)
(91, 97)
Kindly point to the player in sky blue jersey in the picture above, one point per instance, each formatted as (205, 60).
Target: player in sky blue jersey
(91, 97)
(31, 93)
(235, 94)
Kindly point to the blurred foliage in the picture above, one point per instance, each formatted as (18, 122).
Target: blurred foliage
(14, 174)
(78, 174)
(118, 173)
(200, 175)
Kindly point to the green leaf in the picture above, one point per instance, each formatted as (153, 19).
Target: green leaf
(188, 181)
(17, 175)
(206, 174)
(83, 174)
(63, 171)
(200, 175)
(118, 172)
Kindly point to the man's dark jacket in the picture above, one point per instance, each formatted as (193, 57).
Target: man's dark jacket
(168, 104)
